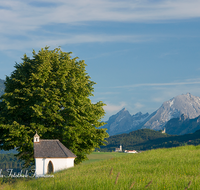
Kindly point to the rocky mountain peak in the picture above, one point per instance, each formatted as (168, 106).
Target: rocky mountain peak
(123, 122)
(183, 117)
(183, 107)
(123, 110)
(185, 104)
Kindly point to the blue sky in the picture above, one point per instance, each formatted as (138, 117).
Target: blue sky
(140, 53)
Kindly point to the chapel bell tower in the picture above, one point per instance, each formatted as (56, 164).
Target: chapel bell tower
(36, 138)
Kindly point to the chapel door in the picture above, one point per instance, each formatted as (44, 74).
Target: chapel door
(50, 167)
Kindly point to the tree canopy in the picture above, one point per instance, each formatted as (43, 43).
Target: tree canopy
(50, 93)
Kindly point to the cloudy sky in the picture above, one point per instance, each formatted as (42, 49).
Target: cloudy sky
(139, 52)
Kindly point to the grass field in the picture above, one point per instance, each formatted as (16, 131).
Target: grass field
(98, 156)
(172, 169)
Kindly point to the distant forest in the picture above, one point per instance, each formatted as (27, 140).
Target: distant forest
(9, 161)
(140, 140)
(147, 139)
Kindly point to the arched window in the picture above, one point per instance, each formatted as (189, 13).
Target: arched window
(50, 167)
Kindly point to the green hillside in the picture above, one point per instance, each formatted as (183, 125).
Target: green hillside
(174, 168)
(147, 139)
(134, 138)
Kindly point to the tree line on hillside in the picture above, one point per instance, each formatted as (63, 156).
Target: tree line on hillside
(147, 139)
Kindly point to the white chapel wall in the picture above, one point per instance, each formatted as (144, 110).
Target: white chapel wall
(39, 170)
(58, 164)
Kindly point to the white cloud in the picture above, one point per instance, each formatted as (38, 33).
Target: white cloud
(138, 105)
(25, 23)
(18, 16)
(160, 84)
(60, 40)
(159, 99)
(111, 109)
(165, 93)
(156, 94)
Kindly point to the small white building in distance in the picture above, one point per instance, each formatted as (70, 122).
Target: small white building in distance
(164, 131)
(130, 151)
(51, 156)
(118, 149)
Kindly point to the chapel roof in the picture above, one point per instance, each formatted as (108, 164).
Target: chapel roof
(51, 149)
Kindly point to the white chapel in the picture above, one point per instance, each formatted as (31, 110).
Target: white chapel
(51, 156)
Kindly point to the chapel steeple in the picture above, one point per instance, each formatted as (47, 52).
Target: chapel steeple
(36, 137)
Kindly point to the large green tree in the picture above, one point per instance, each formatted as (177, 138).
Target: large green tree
(50, 93)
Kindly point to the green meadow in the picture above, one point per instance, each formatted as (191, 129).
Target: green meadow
(98, 156)
(173, 169)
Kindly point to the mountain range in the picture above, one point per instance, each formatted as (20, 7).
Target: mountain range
(179, 115)
(180, 107)
(124, 122)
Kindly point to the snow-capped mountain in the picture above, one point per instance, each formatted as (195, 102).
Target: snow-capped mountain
(123, 122)
(186, 104)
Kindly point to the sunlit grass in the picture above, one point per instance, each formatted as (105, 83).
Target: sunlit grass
(98, 156)
(174, 168)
